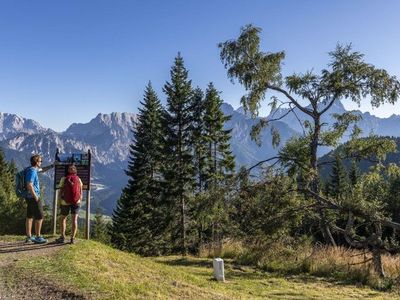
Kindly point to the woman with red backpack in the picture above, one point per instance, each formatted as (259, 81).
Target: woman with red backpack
(70, 199)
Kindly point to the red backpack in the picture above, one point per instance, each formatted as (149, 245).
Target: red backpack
(72, 189)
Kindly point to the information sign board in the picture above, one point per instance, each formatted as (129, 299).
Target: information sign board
(82, 162)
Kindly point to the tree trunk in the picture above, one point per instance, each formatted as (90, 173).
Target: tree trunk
(183, 227)
(324, 226)
(377, 259)
(215, 165)
(200, 233)
(376, 250)
(216, 240)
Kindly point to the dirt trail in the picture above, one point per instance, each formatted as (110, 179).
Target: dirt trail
(28, 287)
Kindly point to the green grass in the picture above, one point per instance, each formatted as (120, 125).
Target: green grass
(106, 273)
(12, 238)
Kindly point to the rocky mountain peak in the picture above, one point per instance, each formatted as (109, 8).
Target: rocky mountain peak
(114, 124)
(12, 124)
(109, 136)
(227, 109)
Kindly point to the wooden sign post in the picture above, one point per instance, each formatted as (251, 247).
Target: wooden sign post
(82, 162)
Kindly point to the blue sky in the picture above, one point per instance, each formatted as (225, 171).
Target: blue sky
(65, 61)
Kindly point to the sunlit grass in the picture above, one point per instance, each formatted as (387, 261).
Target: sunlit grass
(106, 273)
(12, 238)
(340, 263)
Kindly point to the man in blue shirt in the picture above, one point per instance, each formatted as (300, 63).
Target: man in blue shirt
(34, 203)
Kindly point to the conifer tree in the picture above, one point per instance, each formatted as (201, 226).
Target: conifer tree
(219, 165)
(4, 188)
(198, 142)
(339, 185)
(11, 207)
(179, 171)
(6, 178)
(354, 173)
(99, 228)
(220, 161)
(137, 220)
(120, 229)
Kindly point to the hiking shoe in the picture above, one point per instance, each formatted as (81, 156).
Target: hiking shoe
(60, 240)
(40, 240)
(29, 239)
(72, 240)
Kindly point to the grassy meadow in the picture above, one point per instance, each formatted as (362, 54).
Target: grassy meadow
(101, 272)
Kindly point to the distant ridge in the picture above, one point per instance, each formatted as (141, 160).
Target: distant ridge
(108, 136)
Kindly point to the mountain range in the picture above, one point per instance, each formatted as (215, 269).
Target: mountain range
(108, 136)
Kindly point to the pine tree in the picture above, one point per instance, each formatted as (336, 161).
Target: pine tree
(120, 229)
(99, 228)
(12, 213)
(6, 180)
(338, 186)
(219, 164)
(198, 142)
(138, 219)
(354, 173)
(179, 173)
(220, 161)
(4, 195)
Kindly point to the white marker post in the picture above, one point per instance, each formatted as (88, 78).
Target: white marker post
(218, 264)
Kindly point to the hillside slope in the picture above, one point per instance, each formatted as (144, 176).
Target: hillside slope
(97, 271)
(363, 165)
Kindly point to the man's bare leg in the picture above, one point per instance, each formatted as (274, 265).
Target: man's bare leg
(28, 226)
(38, 226)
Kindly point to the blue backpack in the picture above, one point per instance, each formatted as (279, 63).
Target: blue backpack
(20, 185)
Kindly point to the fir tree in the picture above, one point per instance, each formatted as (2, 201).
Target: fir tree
(219, 165)
(12, 213)
(179, 173)
(354, 173)
(137, 220)
(198, 142)
(4, 187)
(99, 228)
(119, 230)
(338, 186)
(220, 161)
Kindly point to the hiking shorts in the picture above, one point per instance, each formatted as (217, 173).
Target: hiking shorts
(65, 209)
(34, 209)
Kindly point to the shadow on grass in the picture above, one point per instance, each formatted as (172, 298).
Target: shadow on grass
(22, 247)
(186, 262)
(233, 272)
(11, 244)
(337, 281)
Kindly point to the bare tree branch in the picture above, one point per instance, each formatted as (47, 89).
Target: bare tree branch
(301, 123)
(282, 91)
(276, 110)
(263, 161)
(327, 107)
(384, 222)
(281, 117)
